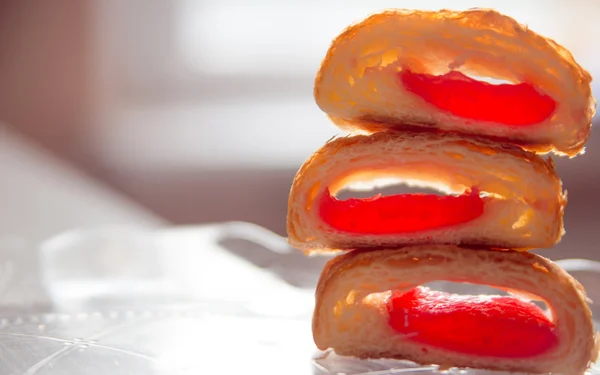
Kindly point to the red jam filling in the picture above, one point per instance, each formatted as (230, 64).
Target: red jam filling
(403, 213)
(518, 104)
(495, 326)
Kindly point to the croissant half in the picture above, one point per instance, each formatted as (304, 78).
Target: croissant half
(352, 313)
(518, 194)
(406, 68)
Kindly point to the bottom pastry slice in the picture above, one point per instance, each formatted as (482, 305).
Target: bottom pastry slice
(373, 304)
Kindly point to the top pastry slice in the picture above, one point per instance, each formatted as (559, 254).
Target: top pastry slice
(472, 72)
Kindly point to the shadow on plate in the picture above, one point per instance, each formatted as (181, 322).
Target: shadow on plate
(271, 253)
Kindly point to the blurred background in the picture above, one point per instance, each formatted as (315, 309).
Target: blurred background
(187, 112)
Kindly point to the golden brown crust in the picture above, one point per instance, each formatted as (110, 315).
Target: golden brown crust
(358, 325)
(527, 183)
(483, 42)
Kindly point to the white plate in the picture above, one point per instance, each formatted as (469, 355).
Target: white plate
(218, 299)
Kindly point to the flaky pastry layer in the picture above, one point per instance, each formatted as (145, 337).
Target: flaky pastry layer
(350, 314)
(524, 201)
(358, 87)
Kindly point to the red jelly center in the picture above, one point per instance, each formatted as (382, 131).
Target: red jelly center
(495, 326)
(454, 92)
(403, 213)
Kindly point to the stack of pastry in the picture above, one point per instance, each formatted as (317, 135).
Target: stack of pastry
(465, 103)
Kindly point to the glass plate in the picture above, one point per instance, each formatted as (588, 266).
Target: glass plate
(220, 299)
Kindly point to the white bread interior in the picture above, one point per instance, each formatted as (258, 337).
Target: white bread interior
(350, 315)
(358, 87)
(524, 212)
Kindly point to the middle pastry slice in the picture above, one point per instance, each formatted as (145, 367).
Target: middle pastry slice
(488, 194)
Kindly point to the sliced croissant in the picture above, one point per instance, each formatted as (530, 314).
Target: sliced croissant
(352, 313)
(520, 193)
(384, 73)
